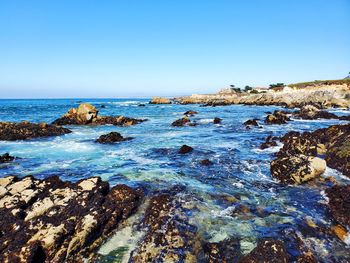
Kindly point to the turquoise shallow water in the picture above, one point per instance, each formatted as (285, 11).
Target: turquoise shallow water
(150, 161)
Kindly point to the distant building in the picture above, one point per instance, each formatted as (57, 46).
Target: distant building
(227, 91)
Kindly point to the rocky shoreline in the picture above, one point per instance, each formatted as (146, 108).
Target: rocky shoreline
(322, 94)
(49, 220)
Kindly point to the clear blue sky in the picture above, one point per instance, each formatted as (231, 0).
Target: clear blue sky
(72, 48)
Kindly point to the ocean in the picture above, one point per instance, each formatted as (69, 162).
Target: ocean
(150, 161)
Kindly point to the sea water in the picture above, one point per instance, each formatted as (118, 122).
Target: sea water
(150, 161)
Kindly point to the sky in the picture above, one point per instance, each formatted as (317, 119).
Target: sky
(126, 48)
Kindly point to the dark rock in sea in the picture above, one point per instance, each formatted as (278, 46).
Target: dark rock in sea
(54, 221)
(169, 237)
(278, 117)
(190, 113)
(11, 131)
(112, 137)
(269, 142)
(339, 203)
(142, 105)
(182, 122)
(87, 114)
(206, 162)
(6, 157)
(185, 149)
(272, 251)
(103, 106)
(217, 120)
(227, 250)
(252, 122)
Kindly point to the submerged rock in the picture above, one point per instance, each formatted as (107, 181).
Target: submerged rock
(160, 100)
(86, 114)
(339, 203)
(181, 122)
(6, 157)
(272, 251)
(269, 142)
(54, 221)
(185, 149)
(206, 162)
(217, 120)
(251, 122)
(226, 251)
(112, 137)
(297, 169)
(190, 112)
(11, 131)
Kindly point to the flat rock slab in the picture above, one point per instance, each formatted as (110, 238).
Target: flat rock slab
(54, 221)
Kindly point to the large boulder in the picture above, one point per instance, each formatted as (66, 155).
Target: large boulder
(185, 149)
(297, 169)
(86, 114)
(185, 121)
(310, 112)
(11, 131)
(54, 221)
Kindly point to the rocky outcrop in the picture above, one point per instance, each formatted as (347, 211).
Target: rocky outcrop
(225, 251)
(310, 112)
(54, 221)
(185, 149)
(278, 117)
(267, 250)
(11, 131)
(206, 162)
(6, 158)
(185, 121)
(322, 94)
(112, 137)
(169, 236)
(160, 100)
(339, 203)
(297, 169)
(87, 114)
(297, 160)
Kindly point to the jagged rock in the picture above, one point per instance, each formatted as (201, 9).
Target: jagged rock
(206, 162)
(185, 149)
(112, 137)
(169, 236)
(11, 131)
(272, 251)
(339, 203)
(87, 114)
(54, 221)
(278, 117)
(269, 142)
(297, 169)
(217, 120)
(190, 112)
(159, 100)
(181, 122)
(252, 122)
(6, 157)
